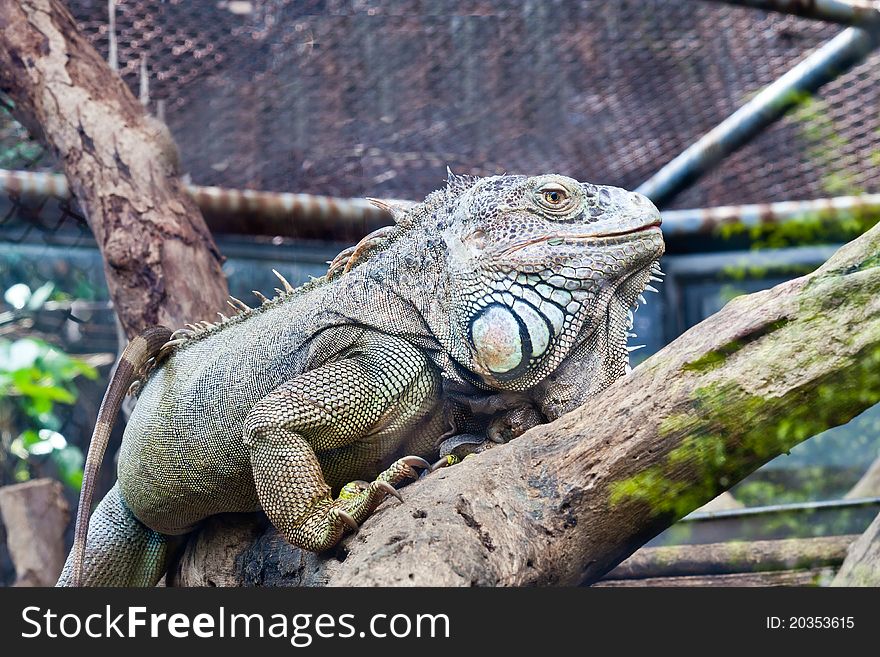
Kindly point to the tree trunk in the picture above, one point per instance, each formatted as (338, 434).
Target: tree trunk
(567, 501)
(162, 265)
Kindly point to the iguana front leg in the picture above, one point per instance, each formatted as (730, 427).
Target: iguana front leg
(350, 414)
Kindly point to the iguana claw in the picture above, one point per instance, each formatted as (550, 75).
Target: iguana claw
(358, 499)
(388, 488)
(416, 461)
(347, 519)
(445, 461)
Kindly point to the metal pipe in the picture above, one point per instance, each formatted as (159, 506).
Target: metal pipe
(833, 11)
(825, 64)
(34, 185)
(242, 211)
(771, 509)
(677, 223)
(251, 212)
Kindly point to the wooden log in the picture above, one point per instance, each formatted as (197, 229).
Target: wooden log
(811, 577)
(35, 514)
(734, 557)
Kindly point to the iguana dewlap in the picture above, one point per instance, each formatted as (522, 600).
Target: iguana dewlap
(497, 304)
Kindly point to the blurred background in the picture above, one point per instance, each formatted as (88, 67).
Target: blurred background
(360, 98)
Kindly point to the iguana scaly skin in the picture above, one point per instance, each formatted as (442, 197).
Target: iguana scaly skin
(497, 304)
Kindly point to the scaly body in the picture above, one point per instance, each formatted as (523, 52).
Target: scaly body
(497, 304)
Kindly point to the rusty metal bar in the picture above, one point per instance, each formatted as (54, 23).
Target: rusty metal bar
(241, 211)
(249, 212)
(677, 223)
(823, 65)
(35, 186)
(833, 11)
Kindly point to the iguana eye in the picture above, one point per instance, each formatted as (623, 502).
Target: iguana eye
(553, 197)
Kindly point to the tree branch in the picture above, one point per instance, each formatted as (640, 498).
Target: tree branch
(567, 501)
(162, 265)
(862, 564)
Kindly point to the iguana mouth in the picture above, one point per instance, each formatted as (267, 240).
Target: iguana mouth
(654, 226)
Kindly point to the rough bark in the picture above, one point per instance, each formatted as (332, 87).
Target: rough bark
(567, 501)
(862, 564)
(35, 515)
(161, 263)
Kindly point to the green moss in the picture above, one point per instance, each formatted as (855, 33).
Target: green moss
(728, 432)
(717, 356)
(868, 263)
(713, 358)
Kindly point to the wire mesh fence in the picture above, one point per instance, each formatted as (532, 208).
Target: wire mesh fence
(375, 98)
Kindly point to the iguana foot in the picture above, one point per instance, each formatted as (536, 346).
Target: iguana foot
(358, 499)
(456, 448)
(502, 429)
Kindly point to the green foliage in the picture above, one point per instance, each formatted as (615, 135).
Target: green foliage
(17, 148)
(34, 377)
(820, 227)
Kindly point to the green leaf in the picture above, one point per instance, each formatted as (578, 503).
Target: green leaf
(69, 461)
(17, 296)
(22, 472)
(36, 408)
(45, 392)
(29, 438)
(18, 449)
(64, 368)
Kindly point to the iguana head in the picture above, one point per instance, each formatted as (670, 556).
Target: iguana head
(536, 266)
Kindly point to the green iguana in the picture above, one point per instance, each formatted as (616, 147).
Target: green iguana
(497, 304)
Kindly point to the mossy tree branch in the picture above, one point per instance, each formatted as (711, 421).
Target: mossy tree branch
(567, 501)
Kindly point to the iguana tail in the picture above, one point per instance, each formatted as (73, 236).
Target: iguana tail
(132, 361)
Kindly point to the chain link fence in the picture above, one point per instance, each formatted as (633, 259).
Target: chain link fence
(375, 98)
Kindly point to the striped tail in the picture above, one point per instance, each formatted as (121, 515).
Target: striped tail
(133, 359)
